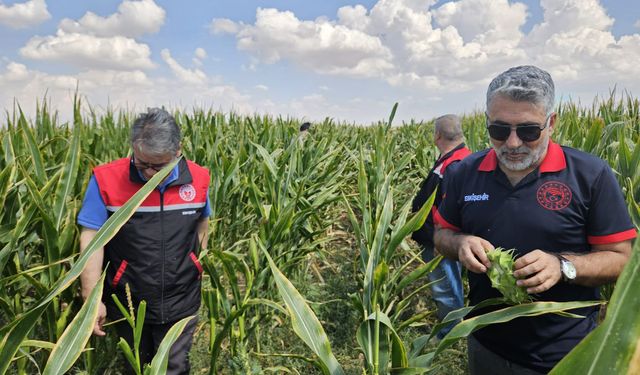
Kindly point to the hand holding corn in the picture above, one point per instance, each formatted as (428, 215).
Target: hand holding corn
(537, 271)
(472, 253)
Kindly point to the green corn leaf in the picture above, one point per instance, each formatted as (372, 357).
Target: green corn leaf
(613, 347)
(126, 350)
(593, 136)
(161, 359)
(375, 255)
(419, 272)
(6, 178)
(390, 345)
(409, 371)
(137, 332)
(466, 327)
(69, 175)
(14, 335)
(268, 159)
(34, 151)
(393, 114)
(305, 323)
(410, 226)
(624, 157)
(75, 336)
(38, 344)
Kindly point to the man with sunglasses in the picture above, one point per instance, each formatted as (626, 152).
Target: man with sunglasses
(446, 283)
(561, 209)
(154, 254)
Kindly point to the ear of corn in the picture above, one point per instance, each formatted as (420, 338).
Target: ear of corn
(501, 276)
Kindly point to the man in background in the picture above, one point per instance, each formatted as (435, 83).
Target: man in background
(446, 283)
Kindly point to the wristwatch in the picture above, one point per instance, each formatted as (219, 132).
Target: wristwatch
(567, 268)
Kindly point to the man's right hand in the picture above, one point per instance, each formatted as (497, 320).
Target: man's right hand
(100, 320)
(472, 252)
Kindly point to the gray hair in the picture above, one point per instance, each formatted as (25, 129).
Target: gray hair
(450, 127)
(525, 83)
(156, 132)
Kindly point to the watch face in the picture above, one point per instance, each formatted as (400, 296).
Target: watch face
(568, 270)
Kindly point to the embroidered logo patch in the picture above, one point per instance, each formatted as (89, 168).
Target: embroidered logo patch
(476, 197)
(554, 195)
(187, 192)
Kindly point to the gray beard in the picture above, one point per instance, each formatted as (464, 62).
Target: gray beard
(533, 156)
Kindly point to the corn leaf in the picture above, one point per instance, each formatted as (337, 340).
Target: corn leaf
(410, 226)
(75, 336)
(34, 151)
(68, 177)
(161, 359)
(390, 345)
(305, 323)
(466, 327)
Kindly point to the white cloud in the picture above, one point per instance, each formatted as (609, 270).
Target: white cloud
(200, 53)
(574, 41)
(223, 26)
(22, 15)
(262, 88)
(89, 51)
(454, 47)
(193, 76)
(478, 21)
(318, 45)
(637, 24)
(95, 42)
(133, 19)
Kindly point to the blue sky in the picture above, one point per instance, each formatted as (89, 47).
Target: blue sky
(348, 60)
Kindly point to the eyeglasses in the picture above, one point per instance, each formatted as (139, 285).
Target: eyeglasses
(141, 165)
(527, 132)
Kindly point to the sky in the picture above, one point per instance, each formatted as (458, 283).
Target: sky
(345, 60)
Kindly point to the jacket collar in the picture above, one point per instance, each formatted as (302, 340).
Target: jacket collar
(554, 160)
(448, 154)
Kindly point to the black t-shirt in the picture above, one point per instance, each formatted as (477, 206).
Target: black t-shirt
(572, 201)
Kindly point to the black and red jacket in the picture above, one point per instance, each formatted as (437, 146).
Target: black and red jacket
(155, 251)
(424, 235)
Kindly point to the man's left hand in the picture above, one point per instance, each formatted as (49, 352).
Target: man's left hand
(537, 271)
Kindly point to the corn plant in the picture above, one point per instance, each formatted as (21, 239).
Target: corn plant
(270, 188)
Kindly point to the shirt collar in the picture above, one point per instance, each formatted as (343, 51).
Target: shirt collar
(448, 154)
(554, 160)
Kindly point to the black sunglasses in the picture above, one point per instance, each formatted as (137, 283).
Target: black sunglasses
(141, 165)
(526, 132)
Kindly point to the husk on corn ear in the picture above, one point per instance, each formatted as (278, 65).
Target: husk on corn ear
(501, 276)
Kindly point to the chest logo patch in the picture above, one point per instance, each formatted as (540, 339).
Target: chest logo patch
(554, 195)
(187, 192)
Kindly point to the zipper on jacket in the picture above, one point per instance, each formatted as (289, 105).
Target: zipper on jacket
(163, 260)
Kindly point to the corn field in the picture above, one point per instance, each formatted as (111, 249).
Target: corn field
(308, 268)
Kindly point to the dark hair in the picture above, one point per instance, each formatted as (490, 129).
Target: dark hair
(305, 126)
(156, 132)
